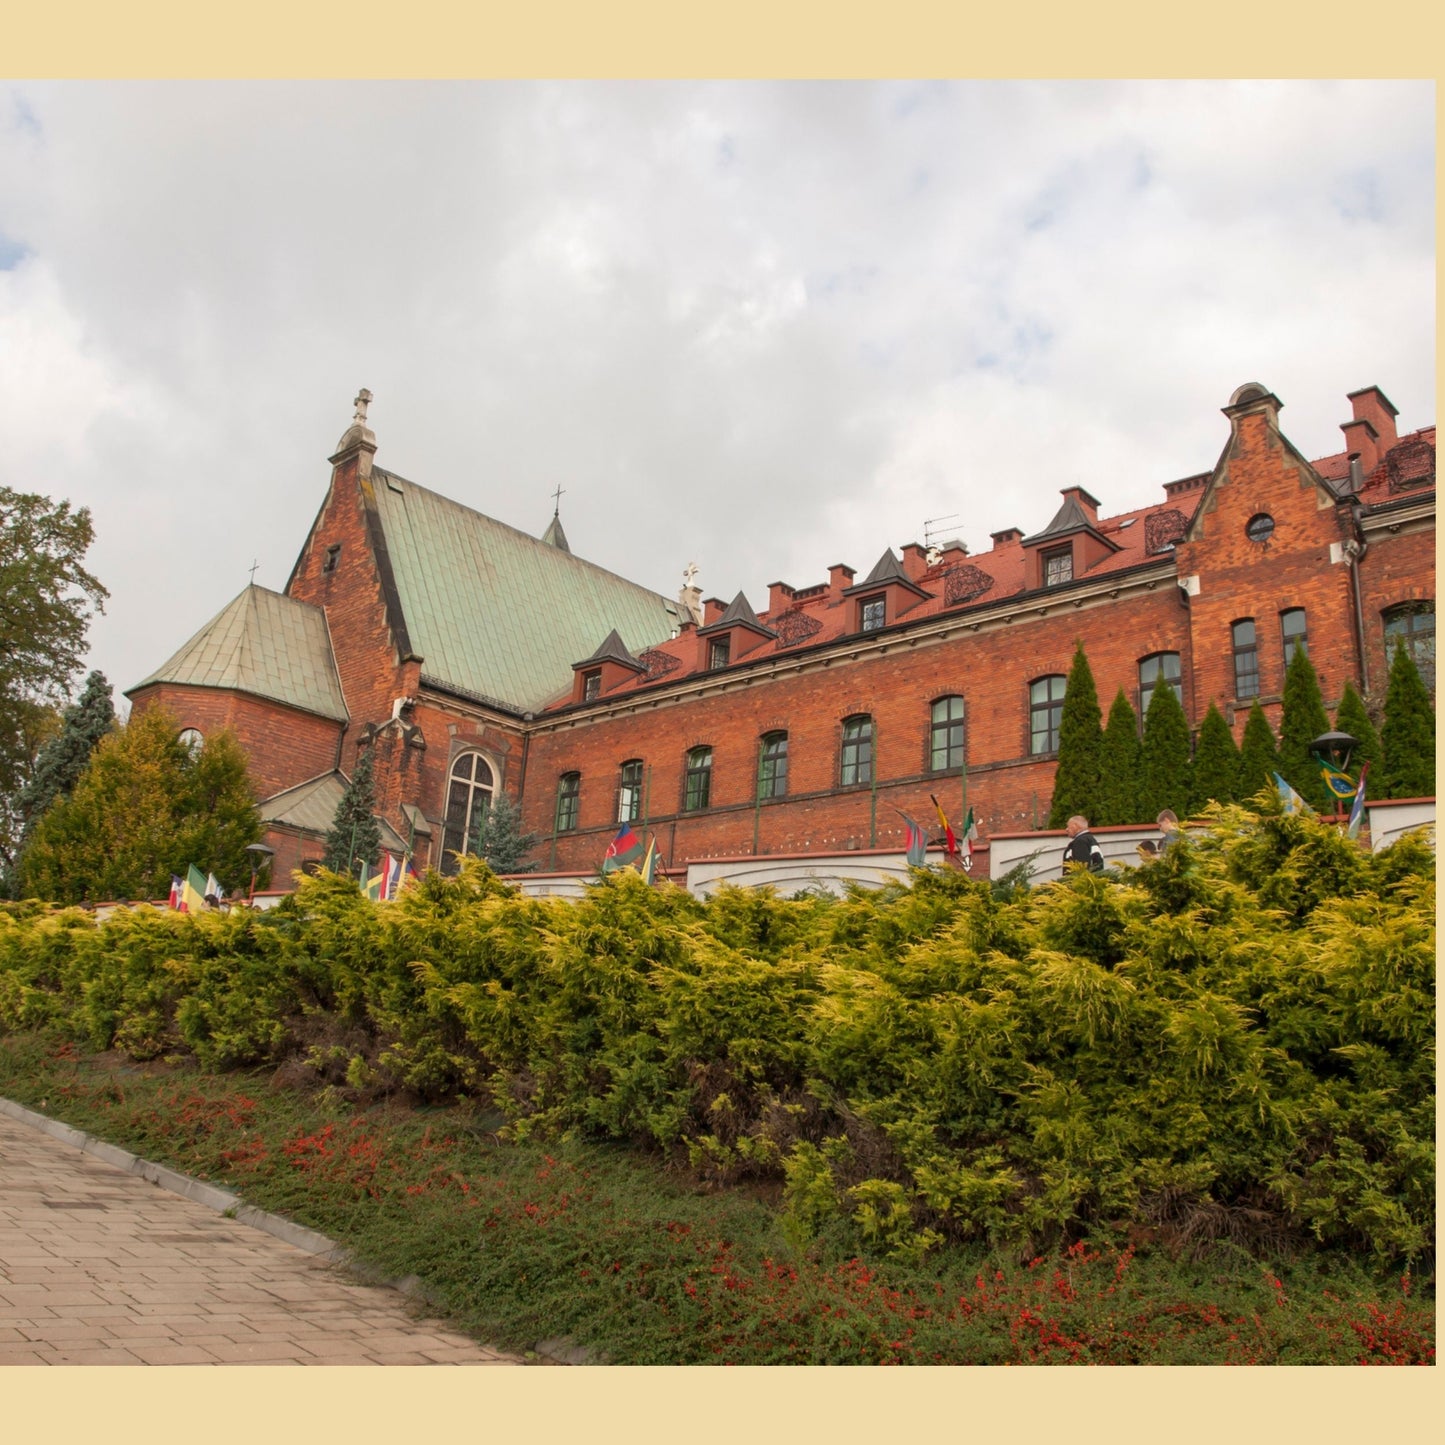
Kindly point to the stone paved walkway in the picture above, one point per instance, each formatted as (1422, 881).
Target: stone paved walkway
(99, 1267)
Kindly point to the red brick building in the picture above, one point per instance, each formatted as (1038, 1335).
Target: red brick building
(471, 658)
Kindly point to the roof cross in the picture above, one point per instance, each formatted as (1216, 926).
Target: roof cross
(363, 399)
(254, 565)
(557, 500)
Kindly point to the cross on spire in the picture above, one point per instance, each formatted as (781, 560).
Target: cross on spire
(557, 501)
(254, 565)
(363, 399)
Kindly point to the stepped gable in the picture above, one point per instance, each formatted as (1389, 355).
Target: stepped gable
(264, 644)
(495, 614)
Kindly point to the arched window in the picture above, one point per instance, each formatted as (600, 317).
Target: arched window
(1293, 632)
(773, 765)
(945, 735)
(569, 797)
(1412, 625)
(1046, 712)
(192, 741)
(1161, 667)
(856, 764)
(469, 796)
(629, 791)
(1246, 659)
(697, 783)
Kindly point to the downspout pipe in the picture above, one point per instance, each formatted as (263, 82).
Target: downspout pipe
(1354, 548)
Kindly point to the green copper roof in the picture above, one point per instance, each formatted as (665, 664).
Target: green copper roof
(496, 614)
(311, 807)
(265, 644)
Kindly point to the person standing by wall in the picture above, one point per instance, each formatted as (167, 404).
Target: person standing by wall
(1083, 847)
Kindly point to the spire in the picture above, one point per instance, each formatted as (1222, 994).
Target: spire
(358, 440)
(554, 536)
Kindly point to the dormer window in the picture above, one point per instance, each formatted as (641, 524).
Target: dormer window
(719, 652)
(592, 685)
(872, 614)
(1058, 566)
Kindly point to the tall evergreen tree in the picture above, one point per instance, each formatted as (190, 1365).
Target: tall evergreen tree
(60, 763)
(505, 846)
(1303, 719)
(1351, 717)
(1258, 754)
(1081, 739)
(1408, 738)
(1216, 763)
(143, 809)
(1119, 767)
(1164, 756)
(355, 835)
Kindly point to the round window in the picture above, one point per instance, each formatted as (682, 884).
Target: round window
(1260, 527)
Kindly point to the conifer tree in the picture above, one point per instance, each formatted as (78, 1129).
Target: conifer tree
(1408, 738)
(1081, 739)
(1302, 720)
(1216, 763)
(1119, 767)
(1164, 756)
(143, 809)
(1258, 755)
(505, 846)
(1351, 717)
(355, 835)
(62, 760)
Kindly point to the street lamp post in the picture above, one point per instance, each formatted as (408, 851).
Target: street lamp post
(1335, 748)
(260, 854)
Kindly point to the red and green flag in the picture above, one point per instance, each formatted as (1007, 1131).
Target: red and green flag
(622, 850)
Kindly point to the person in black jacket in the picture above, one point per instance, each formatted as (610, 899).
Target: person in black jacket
(1083, 847)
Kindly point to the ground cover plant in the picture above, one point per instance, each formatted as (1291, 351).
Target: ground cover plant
(1223, 1057)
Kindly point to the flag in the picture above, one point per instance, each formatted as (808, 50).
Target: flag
(648, 866)
(394, 876)
(970, 832)
(1357, 811)
(372, 886)
(1337, 782)
(1292, 801)
(193, 890)
(950, 841)
(213, 887)
(621, 850)
(917, 844)
(175, 898)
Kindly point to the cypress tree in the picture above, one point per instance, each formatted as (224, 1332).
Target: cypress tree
(1081, 739)
(1258, 755)
(63, 759)
(354, 832)
(1216, 763)
(1119, 766)
(1303, 719)
(505, 846)
(1408, 738)
(1351, 717)
(1164, 757)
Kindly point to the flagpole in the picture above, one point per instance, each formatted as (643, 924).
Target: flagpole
(758, 797)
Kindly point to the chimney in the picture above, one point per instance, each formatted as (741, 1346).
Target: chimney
(839, 577)
(780, 597)
(915, 561)
(1009, 534)
(1357, 475)
(1371, 431)
(712, 609)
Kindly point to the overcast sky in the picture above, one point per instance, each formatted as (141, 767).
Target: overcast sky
(761, 327)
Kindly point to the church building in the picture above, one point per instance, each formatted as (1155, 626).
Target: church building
(471, 659)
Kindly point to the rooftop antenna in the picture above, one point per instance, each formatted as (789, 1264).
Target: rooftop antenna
(933, 529)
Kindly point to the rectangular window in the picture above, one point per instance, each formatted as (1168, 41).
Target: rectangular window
(773, 766)
(1046, 713)
(629, 792)
(1058, 566)
(569, 789)
(945, 752)
(591, 685)
(1162, 667)
(1412, 626)
(698, 782)
(1292, 629)
(718, 651)
(1246, 660)
(857, 759)
(872, 613)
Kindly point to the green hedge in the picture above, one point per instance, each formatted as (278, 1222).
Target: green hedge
(1235, 1041)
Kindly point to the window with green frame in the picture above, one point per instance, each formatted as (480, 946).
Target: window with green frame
(697, 782)
(856, 763)
(773, 765)
(945, 735)
(569, 794)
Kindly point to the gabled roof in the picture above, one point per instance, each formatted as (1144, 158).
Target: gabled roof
(739, 614)
(612, 650)
(264, 644)
(311, 808)
(493, 613)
